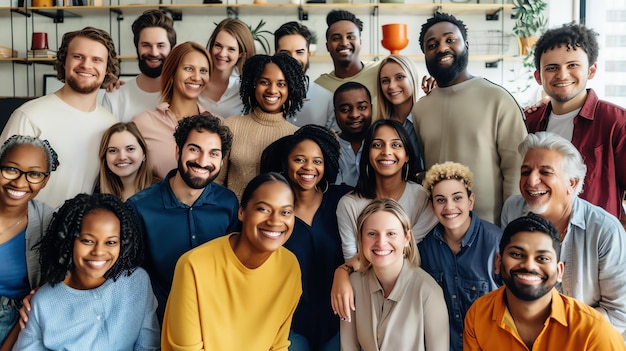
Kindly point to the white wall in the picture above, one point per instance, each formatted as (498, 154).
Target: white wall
(197, 26)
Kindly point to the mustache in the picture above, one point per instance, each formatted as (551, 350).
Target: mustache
(445, 53)
(151, 57)
(209, 168)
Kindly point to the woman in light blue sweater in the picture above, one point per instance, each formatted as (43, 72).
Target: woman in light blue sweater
(95, 296)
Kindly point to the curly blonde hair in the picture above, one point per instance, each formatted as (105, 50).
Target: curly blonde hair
(446, 171)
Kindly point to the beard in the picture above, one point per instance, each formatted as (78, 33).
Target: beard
(195, 182)
(524, 292)
(82, 89)
(538, 209)
(445, 75)
(152, 72)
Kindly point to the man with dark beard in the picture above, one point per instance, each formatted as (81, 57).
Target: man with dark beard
(592, 240)
(468, 119)
(528, 312)
(154, 36)
(70, 118)
(186, 209)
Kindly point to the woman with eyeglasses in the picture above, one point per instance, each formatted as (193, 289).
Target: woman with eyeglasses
(25, 166)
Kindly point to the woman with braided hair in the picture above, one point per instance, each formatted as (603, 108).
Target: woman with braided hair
(309, 159)
(272, 89)
(25, 166)
(95, 296)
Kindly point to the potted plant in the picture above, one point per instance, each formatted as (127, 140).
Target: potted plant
(530, 22)
(258, 34)
(313, 44)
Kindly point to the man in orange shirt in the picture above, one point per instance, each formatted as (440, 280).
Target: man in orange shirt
(527, 312)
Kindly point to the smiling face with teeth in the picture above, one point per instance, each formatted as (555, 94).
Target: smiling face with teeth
(305, 165)
(387, 154)
(395, 84)
(96, 249)
(529, 266)
(267, 222)
(191, 76)
(446, 54)
(225, 52)
(452, 206)
(383, 240)
(353, 113)
(200, 158)
(545, 185)
(344, 43)
(152, 49)
(564, 74)
(85, 65)
(271, 90)
(18, 192)
(124, 155)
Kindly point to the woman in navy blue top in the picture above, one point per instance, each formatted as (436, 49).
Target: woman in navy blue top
(310, 161)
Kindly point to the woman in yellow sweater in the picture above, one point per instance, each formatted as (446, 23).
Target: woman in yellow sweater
(239, 292)
(272, 89)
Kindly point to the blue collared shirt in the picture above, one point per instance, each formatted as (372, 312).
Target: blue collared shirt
(463, 277)
(173, 228)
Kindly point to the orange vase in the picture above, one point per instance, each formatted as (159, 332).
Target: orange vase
(395, 37)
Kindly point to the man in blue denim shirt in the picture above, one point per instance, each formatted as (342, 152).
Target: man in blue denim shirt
(459, 252)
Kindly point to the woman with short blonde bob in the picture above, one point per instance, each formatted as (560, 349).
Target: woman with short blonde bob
(124, 166)
(398, 305)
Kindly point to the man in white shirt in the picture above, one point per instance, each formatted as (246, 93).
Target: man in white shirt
(70, 118)
(154, 37)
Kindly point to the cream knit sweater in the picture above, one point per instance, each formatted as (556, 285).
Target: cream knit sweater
(252, 133)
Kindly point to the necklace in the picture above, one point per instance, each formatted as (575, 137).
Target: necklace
(15, 224)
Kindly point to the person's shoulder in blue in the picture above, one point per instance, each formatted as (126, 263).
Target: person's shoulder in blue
(95, 296)
(187, 202)
(459, 253)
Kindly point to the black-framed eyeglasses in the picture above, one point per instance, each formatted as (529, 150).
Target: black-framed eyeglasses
(33, 177)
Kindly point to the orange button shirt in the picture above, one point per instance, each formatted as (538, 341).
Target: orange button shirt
(571, 326)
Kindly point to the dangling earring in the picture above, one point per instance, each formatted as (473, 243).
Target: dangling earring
(325, 188)
(405, 169)
(367, 170)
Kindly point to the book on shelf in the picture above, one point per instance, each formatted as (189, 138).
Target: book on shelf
(43, 53)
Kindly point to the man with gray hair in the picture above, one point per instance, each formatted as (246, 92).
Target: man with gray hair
(593, 242)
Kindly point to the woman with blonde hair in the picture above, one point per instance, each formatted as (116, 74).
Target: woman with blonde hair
(398, 91)
(398, 305)
(124, 166)
(230, 46)
(386, 171)
(185, 75)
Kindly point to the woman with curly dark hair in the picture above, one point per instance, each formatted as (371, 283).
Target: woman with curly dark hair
(25, 166)
(272, 89)
(95, 297)
(309, 159)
